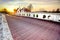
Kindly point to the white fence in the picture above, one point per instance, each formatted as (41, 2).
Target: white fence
(48, 16)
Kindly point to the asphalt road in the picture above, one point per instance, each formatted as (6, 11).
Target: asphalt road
(23, 28)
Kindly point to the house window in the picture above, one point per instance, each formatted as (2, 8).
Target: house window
(44, 16)
(33, 15)
(49, 16)
(59, 20)
(37, 15)
(29, 14)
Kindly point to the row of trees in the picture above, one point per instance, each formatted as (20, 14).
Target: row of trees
(57, 10)
(4, 10)
(53, 11)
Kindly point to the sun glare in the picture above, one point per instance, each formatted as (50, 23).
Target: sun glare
(11, 8)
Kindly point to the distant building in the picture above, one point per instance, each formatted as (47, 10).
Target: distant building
(25, 10)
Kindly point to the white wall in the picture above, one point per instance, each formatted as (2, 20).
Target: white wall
(53, 16)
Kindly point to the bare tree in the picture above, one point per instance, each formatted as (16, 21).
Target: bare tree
(30, 7)
(58, 10)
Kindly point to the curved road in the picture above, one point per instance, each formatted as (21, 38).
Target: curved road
(23, 28)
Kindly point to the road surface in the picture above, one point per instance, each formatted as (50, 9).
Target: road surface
(23, 28)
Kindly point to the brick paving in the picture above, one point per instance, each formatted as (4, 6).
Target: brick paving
(32, 29)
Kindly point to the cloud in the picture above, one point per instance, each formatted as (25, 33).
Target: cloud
(4, 1)
(33, 1)
(44, 0)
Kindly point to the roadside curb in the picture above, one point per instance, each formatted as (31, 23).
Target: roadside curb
(1, 28)
(6, 31)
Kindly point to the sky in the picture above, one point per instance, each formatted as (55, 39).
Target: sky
(37, 4)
